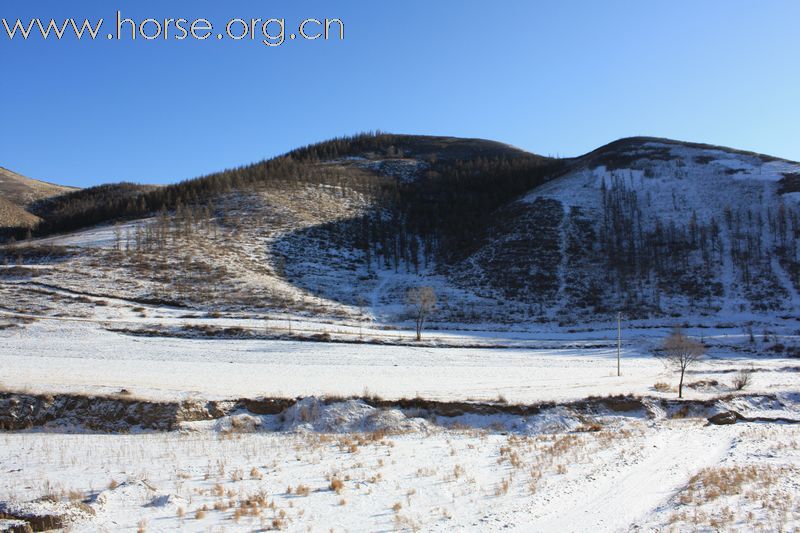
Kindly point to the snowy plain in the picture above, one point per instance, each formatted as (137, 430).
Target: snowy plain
(630, 475)
(331, 470)
(49, 356)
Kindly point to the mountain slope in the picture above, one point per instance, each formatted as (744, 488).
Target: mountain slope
(18, 194)
(24, 191)
(381, 163)
(14, 216)
(650, 227)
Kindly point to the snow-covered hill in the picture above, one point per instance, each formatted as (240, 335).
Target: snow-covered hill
(650, 227)
(656, 229)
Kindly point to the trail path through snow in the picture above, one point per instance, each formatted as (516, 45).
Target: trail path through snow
(633, 487)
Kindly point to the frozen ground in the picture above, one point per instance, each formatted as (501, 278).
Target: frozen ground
(632, 475)
(83, 357)
(351, 467)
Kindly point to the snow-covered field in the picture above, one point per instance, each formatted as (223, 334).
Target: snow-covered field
(50, 356)
(638, 474)
(349, 466)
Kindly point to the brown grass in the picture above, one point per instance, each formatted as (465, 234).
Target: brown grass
(336, 485)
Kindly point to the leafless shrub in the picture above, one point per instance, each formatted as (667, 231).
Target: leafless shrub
(743, 378)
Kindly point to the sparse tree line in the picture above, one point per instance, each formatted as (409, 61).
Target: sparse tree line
(166, 229)
(645, 260)
(439, 214)
(444, 215)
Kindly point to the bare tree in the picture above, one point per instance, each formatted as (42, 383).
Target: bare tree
(680, 352)
(421, 303)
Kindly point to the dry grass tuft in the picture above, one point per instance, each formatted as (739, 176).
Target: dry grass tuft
(502, 487)
(336, 485)
(712, 483)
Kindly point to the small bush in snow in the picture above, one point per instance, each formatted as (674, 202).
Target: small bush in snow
(743, 379)
(662, 387)
(336, 485)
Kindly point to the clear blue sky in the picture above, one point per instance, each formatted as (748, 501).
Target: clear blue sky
(559, 77)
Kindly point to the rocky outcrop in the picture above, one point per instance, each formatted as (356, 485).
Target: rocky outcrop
(725, 418)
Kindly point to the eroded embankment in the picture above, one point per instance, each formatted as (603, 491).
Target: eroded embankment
(122, 414)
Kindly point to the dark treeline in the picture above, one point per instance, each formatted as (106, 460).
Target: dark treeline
(110, 203)
(455, 203)
(86, 206)
(464, 182)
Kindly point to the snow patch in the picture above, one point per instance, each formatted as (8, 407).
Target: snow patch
(313, 414)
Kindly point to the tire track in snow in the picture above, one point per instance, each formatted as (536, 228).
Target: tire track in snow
(630, 493)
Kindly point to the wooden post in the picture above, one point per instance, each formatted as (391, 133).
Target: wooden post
(619, 341)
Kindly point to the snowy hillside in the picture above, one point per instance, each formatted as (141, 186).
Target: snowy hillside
(651, 228)
(657, 229)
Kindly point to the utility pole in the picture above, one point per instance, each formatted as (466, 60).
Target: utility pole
(619, 341)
